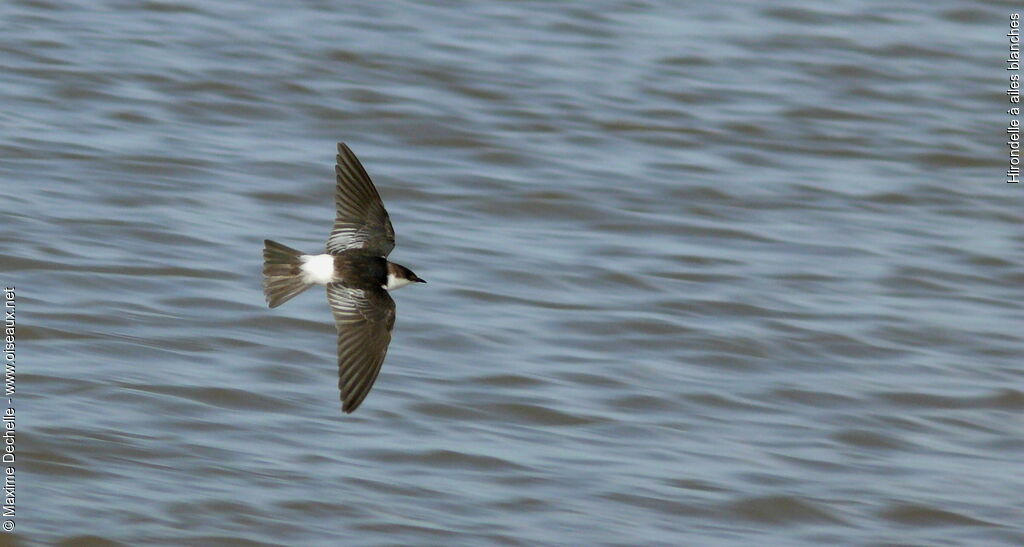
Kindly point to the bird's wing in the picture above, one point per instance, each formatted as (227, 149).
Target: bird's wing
(364, 318)
(361, 222)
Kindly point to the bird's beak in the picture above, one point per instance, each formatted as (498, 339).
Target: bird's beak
(418, 280)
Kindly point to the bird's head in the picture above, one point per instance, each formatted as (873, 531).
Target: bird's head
(400, 276)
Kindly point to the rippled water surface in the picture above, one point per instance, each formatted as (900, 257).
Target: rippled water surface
(737, 274)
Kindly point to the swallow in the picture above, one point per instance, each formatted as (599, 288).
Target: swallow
(357, 275)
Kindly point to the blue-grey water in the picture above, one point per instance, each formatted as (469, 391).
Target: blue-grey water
(734, 273)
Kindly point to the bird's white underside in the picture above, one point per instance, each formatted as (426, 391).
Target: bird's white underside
(320, 269)
(317, 268)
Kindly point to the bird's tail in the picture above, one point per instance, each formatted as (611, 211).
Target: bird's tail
(282, 276)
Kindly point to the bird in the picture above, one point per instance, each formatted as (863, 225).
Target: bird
(356, 272)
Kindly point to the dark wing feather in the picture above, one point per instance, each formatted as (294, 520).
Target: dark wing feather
(361, 222)
(364, 319)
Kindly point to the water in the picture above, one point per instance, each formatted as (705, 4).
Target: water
(724, 275)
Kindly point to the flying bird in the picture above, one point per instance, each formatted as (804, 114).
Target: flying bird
(356, 272)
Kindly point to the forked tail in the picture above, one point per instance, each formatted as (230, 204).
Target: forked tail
(282, 276)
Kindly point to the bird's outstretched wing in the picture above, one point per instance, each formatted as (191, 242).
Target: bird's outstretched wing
(364, 318)
(361, 222)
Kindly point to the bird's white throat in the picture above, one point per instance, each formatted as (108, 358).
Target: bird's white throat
(395, 283)
(317, 268)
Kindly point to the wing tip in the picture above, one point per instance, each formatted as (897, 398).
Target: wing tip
(350, 406)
